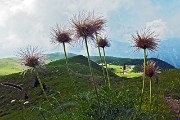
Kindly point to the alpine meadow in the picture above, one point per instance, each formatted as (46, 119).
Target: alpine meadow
(89, 82)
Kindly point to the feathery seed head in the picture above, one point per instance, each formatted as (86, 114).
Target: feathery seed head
(61, 36)
(103, 42)
(151, 69)
(146, 39)
(98, 24)
(31, 57)
(86, 25)
(82, 27)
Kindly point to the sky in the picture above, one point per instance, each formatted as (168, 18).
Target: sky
(30, 22)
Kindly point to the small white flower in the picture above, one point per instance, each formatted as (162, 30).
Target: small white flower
(26, 102)
(13, 101)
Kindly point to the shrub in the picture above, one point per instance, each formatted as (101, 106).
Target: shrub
(114, 105)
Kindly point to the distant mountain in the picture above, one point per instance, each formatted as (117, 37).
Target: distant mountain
(169, 51)
(161, 64)
(57, 56)
(13, 64)
(127, 61)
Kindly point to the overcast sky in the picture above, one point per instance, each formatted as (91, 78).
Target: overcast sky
(30, 22)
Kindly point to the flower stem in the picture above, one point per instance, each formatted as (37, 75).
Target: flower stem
(142, 92)
(41, 85)
(94, 83)
(150, 94)
(66, 56)
(100, 58)
(109, 84)
(67, 64)
(157, 96)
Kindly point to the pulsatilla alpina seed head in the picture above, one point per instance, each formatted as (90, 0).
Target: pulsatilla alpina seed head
(98, 24)
(61, 36)
(103, 42)
(31, 57)
(86, 25)
(151, 69)
(146, 39)
(82, 26)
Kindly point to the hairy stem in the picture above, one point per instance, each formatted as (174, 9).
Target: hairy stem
(157, 98)
(41, 85)
(100, 58)
(94, 83)
(66, 57)
(67, 64)
(109, 84)
(142, 92)
(150, 94)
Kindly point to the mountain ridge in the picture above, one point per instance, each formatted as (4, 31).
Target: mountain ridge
(10, 65)
(129, 61)
(167, 51)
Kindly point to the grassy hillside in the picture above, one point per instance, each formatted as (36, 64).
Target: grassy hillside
(12, 65)
(128, 73)
(128, 61)
(9, 66)
(112, 60)
(61, 87)
(56, 78)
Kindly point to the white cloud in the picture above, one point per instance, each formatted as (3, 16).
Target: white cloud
(26, 6)
(159, 26)
(24, 22)
(173, 23)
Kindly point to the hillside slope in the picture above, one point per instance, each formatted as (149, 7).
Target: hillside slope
(59, 85)
(9, 66)
(55, 77)
(13, 65)
(127, 61)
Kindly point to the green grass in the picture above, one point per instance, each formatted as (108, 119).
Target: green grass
(12, 65)
(56, 78)
(9, 66)
(60, 86)
(128, 73)
(170, 83)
